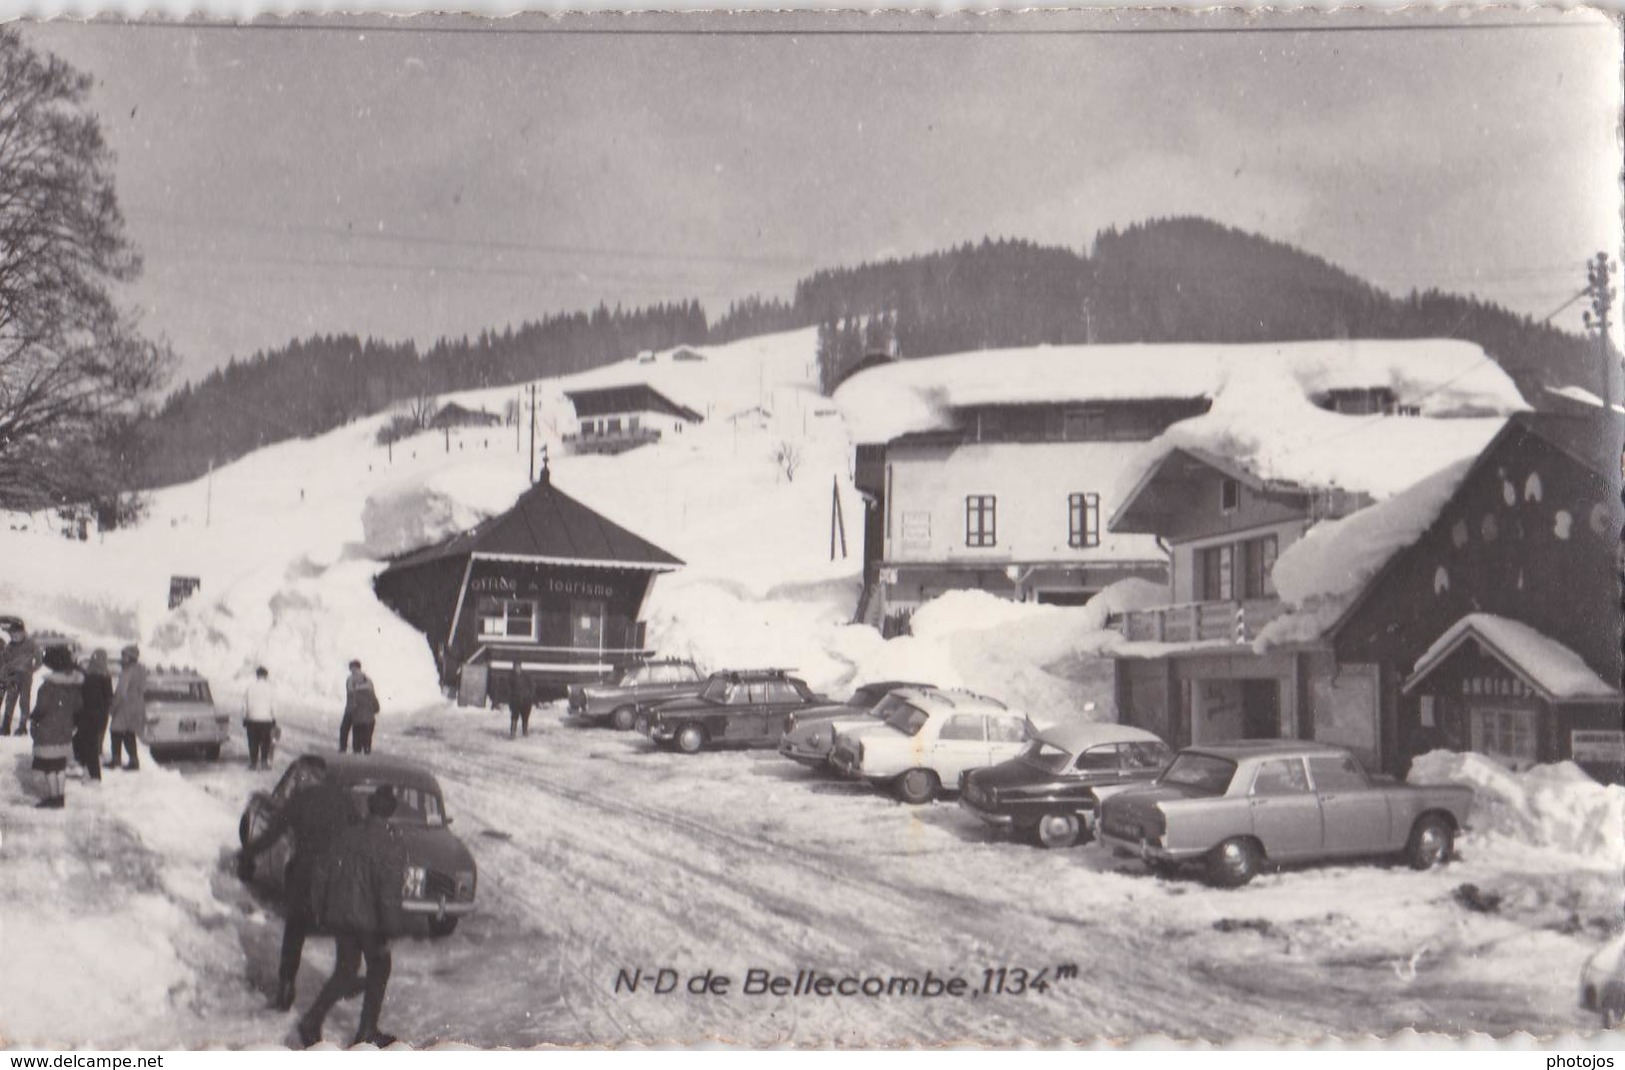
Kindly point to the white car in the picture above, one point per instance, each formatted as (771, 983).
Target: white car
(1602, 982)
(930, 738)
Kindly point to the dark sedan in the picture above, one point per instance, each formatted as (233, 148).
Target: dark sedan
(736, 709)
(1051, 792)
(440, 877)
(643, 684)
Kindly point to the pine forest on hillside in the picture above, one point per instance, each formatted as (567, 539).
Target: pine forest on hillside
(1173, 280)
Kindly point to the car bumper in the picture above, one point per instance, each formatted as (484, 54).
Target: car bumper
(438, 909)
(804, 755)
(990, 817)
(658, 731)
(175, 736)
(1146, 849)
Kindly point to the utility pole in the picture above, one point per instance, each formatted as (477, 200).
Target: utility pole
(518, 407)
(208, 496)
(533, 433)
(1599, 285)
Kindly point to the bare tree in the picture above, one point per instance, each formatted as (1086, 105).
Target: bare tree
(788, 457)
(70, 360)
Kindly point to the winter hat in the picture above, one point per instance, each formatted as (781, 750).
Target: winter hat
(98, 661)
(382, 803)
(58, 659)
(262, 673)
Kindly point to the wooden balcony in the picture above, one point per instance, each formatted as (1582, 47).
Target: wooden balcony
(1199, 622)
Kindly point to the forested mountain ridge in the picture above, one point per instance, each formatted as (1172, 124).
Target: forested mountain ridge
(1172, 280)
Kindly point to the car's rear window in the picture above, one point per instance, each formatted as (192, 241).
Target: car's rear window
(1205, 773)
(908, 719)
(413, 806)
(193, 692)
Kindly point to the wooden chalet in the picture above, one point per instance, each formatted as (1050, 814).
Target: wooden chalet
(549, 587)
(619, 418)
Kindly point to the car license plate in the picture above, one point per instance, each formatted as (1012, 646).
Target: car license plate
(189, 726)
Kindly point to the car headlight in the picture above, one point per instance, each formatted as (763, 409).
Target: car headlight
(465, 884)
(414, 881)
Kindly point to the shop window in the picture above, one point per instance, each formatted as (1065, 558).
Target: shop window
(981, 520)
(506, 618)
(1083, 520)
(1229, 495)
(1506, 735)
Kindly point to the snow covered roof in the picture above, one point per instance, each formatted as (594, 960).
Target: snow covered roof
(1439, 376)
(548, 524)
(1554, 670)
(631, 397)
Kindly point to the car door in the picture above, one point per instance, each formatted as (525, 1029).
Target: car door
(961, 744)
(747, 712)
(1355, 816)
(1285, 812)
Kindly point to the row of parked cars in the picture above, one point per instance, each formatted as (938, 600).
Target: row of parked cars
(1228, 808)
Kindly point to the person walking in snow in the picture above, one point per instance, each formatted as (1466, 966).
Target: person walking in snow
(314, 817)
(259, 718)
(91, 725)
(358, 896)
(129, 713)
(521, 697)
(360, 712)
(60, 697)
(18, 662)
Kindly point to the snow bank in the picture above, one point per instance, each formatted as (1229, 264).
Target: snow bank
(1320, 573)
(1556, 807)
(411, 513)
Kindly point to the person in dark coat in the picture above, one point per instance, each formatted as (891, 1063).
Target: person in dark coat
(18, 662)
(314, 817)
(521, 696)
(360, 711)
(91, 726)
(358, 896)
(60, 698)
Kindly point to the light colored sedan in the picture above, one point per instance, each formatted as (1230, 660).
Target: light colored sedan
(930, 739)
(811, 734)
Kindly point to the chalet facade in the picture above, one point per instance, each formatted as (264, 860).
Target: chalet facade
(1011, 499)
(619, 418)
(549, 587)
(1491, 626)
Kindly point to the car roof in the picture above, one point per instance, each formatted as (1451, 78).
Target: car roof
(891, 685)
(933, 699)
(356, 768)
(1270, 748)
(1074, 736)
(755, 674)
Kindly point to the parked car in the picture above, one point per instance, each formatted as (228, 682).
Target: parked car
(642, 684)
(742, 709)
(1602, 982)
(1050, 792)
(809, 736)
(1235, 806)
(181, 715)
(932, 738)
(441, 877)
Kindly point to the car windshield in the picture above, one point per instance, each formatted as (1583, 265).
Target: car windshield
(888, 706)
(1200, 772)
(907, 719)
(1046, 756)
(413, 806)
(718, 689)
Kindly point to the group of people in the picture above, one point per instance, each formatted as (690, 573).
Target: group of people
(73, 710)
(344, 875)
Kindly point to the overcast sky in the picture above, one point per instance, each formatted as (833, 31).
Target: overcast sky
(284, 181)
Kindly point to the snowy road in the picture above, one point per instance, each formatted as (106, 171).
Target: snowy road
(599, 854)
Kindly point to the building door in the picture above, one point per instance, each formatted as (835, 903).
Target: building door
(1261, 709)
(587, 624)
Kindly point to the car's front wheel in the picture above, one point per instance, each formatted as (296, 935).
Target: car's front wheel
(918, 786)
(1055, 831)
(1430, 843)
(1233, 863)
(623, 718)
(440, 927)
(690, 739)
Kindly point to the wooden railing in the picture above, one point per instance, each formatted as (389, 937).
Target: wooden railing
(1196, 622)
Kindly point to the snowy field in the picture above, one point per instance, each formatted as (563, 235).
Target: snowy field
(125, 926)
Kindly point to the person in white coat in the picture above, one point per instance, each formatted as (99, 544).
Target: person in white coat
(259, 718)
